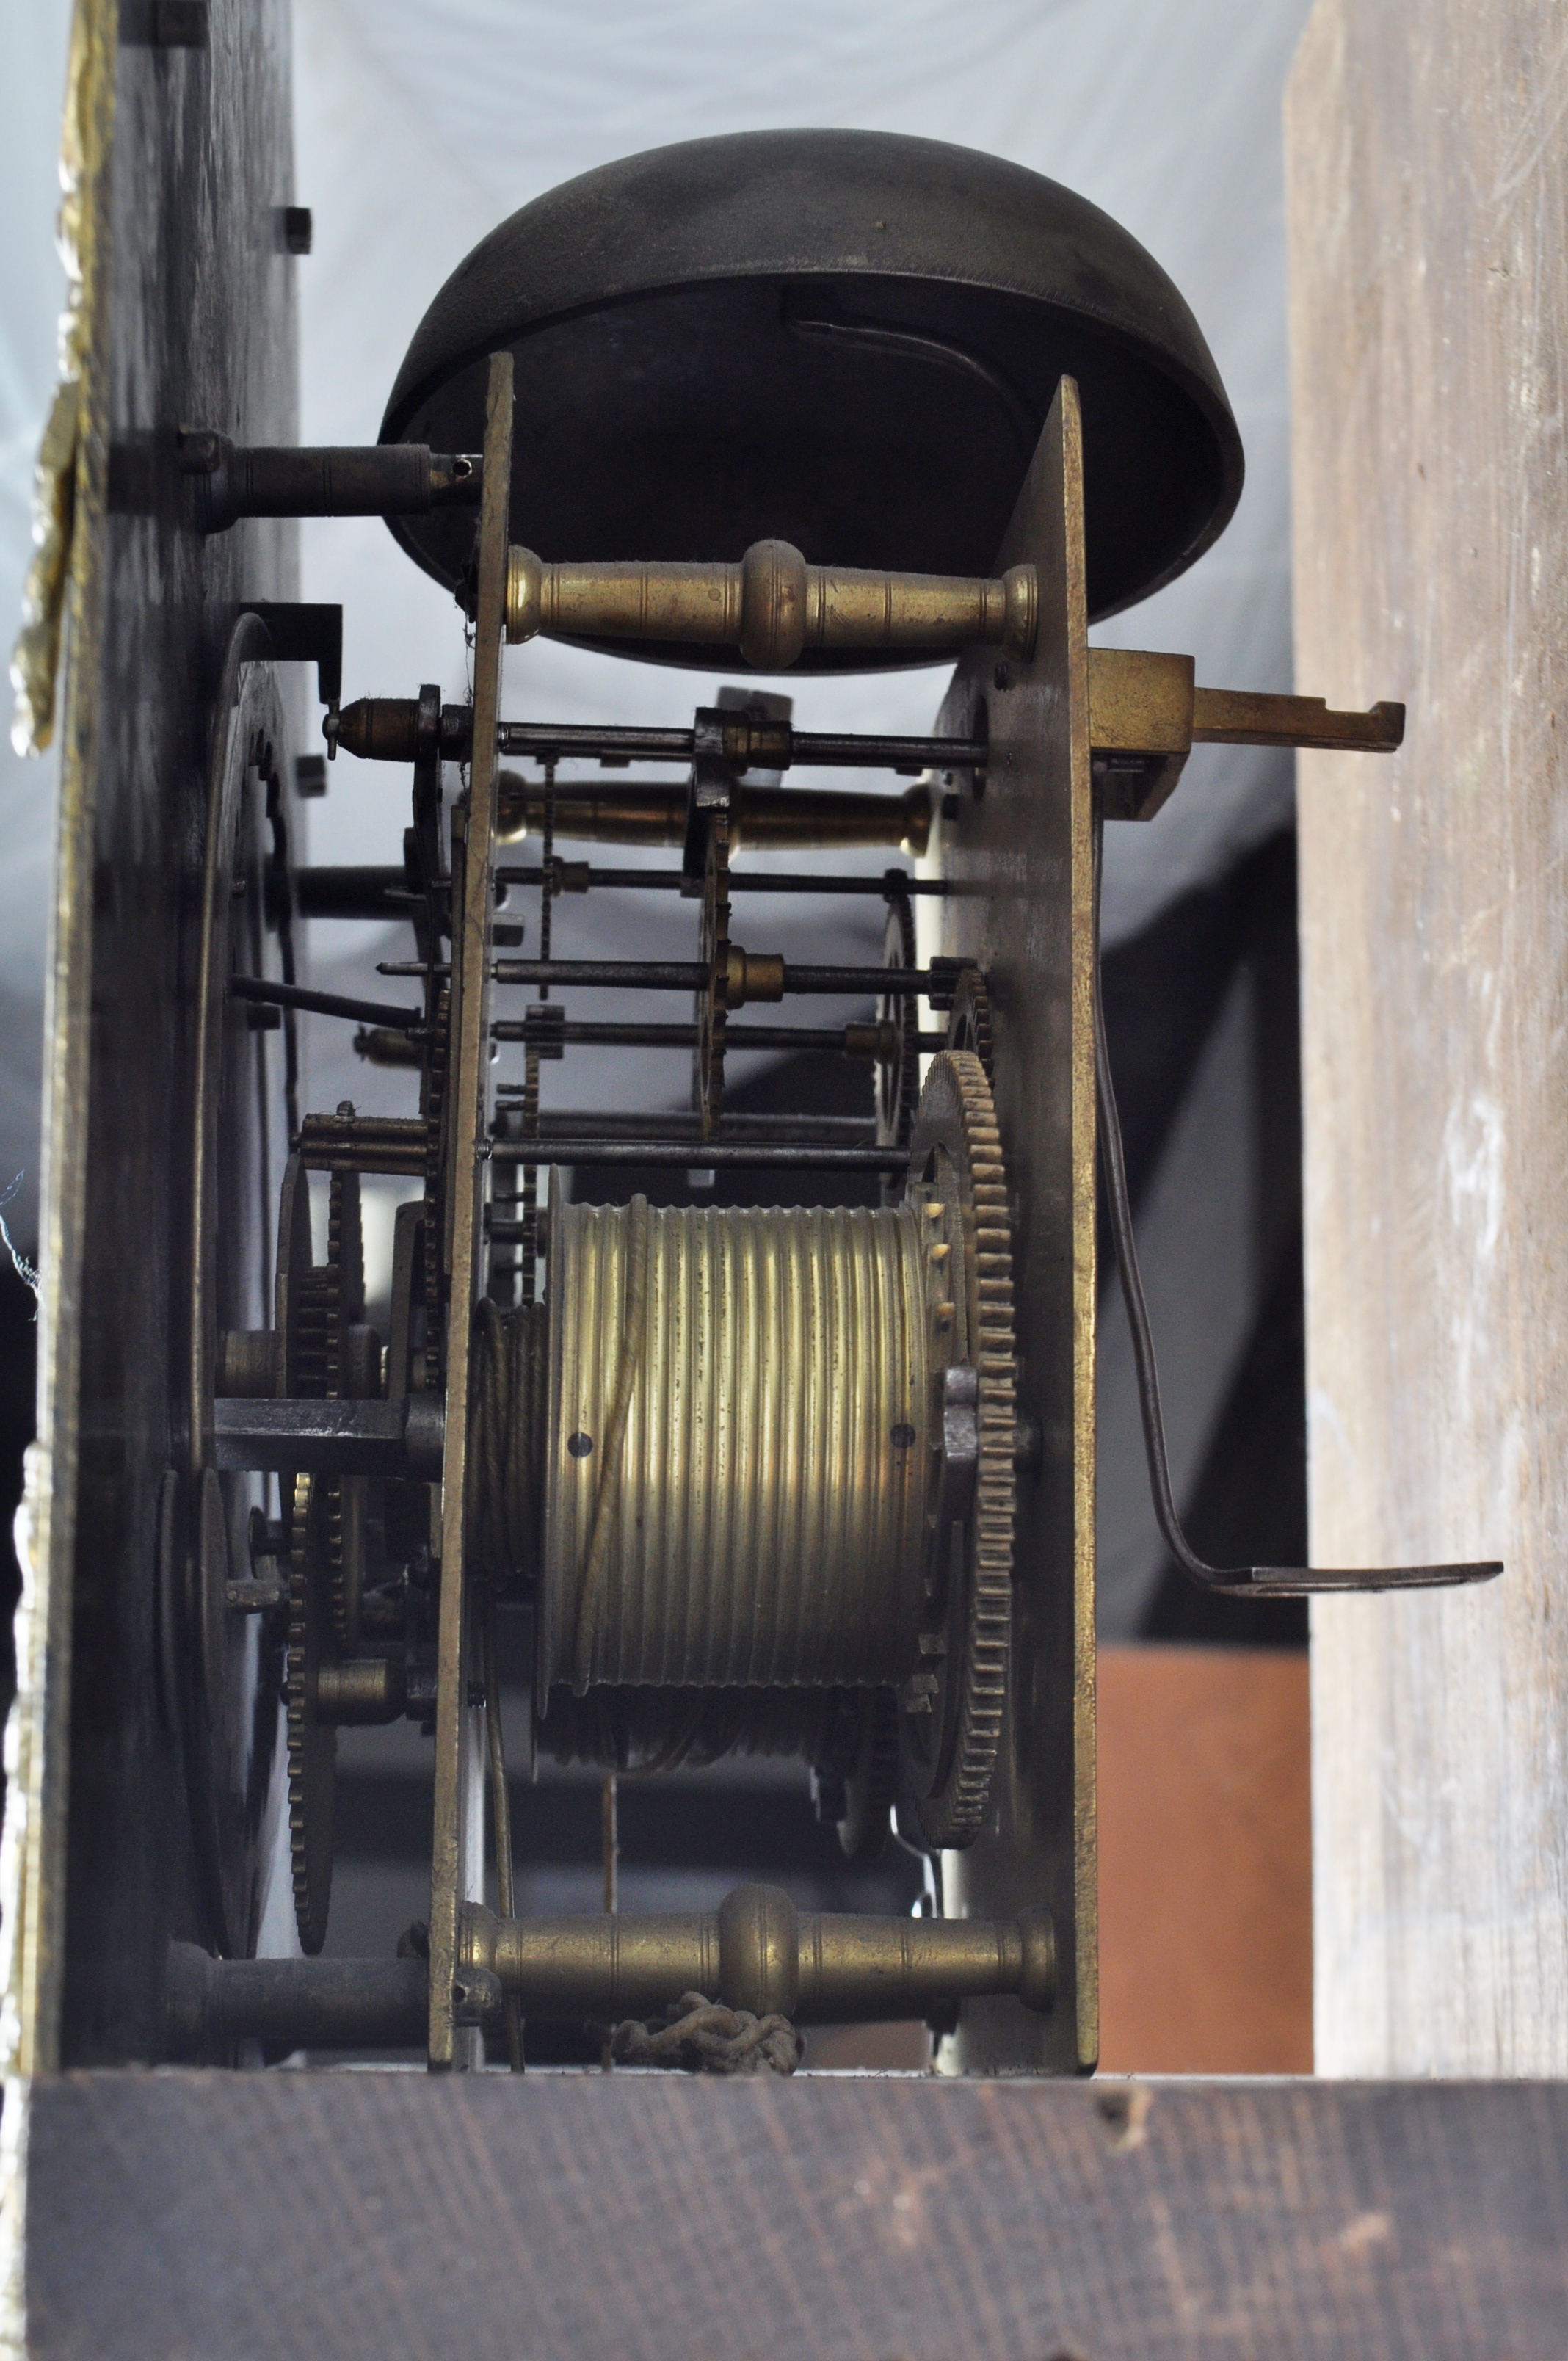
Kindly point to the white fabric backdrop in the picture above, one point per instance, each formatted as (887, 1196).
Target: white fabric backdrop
(420, 123)
(32, 288)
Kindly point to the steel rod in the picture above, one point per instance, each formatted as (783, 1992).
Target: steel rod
(352, 893)
(808, 1130)
(396, 1438)
(679, 1154)
(690, 975)
(587, 1035)
(262, 989)
(674, 880)
(834, 750)
(211, 2004)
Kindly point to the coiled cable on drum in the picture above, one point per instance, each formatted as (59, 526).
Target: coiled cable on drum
(614, 1441)
(507, 1443)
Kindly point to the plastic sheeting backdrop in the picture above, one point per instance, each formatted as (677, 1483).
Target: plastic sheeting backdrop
(421, 123)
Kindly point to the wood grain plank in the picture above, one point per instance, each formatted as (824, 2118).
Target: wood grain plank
(1428, 182)
(190, 304)
(651, 2218)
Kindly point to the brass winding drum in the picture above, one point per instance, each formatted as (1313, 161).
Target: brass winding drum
(757, 1517)
(777, 1457)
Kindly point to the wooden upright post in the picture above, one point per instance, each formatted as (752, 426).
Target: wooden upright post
(1428, 191)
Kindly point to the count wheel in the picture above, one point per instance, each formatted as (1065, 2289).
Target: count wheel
(313, 1744)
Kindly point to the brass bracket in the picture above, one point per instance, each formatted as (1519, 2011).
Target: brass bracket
(1146, 714)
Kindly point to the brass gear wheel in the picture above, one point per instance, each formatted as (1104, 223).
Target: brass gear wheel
(969, 1020)
(313, 1744)
(950, 1715)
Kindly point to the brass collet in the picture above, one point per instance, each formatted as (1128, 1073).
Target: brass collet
(753, 976)
(758, 1953)
(773, 605)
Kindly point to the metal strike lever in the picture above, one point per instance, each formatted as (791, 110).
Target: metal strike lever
(369, 480)
(773, 605)
(758, 1953)
(1146, 714)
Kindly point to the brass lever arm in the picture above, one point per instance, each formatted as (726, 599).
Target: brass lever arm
(773, 605)
(1146, 714)
(1144, 703)
(1236, 716)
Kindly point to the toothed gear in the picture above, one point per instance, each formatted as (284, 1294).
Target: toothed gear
(317, 1304)
(345, 1494)
(950, 1712)
(870, 1785)
(433, 1107)
(713, 997)
(313, 1744)
(325, 1300)
(898, 1078)
(969, 1020)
